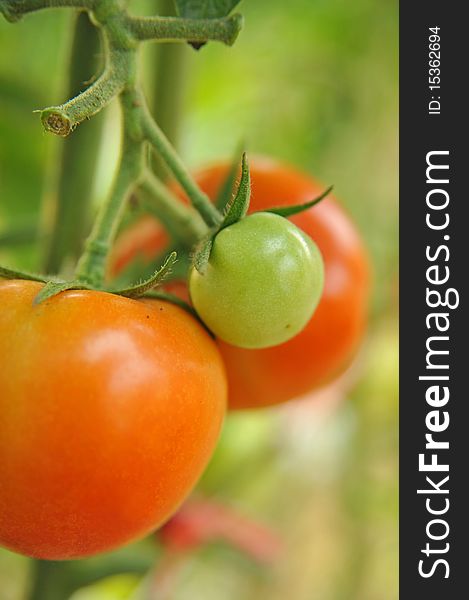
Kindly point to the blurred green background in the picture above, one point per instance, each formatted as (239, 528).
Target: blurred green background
(314, 83)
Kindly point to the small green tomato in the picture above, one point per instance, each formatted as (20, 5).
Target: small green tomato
(262, 283)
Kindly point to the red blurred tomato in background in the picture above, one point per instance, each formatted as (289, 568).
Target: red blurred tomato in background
(329, 342)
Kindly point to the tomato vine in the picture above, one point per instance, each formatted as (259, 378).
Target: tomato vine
(121, 34)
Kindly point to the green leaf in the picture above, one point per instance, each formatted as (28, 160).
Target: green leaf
(135, 291)
(6, 273)
(202, 255)
(204, 9)
(238, 206)
(288, 211)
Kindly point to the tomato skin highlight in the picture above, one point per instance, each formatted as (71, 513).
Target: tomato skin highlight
(262, 282)
(110, 410)
(329, 342)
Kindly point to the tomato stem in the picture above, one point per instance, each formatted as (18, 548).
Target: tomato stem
(68, 195)
(63, 119)
(183, 222)
(176, 29)
(13, 10)
(169, 64)
(121, 35)
(199, 200)
(91, 266)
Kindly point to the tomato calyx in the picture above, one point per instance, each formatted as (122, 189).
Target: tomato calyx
(236, 208)
(294, 209)
(54, 286)
(139, 289)
(6, 273)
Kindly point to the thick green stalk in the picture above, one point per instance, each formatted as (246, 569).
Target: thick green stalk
(121, 34)
(176, 29)
(169, 63)
(13, 10)
(200, 201)
(63, 119)
(74, 170)
(183, 222)
(91, 266)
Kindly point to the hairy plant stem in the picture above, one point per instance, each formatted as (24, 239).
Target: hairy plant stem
(199, 200)
(92, 264)
(169, 80)
(197, 30)
(13, 10)
(121, 34)
(182, 222)
(68, 198)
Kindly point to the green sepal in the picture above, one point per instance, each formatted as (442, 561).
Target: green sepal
(237, 208)
(225, 192)
(288, 211)
(6, 273)
(52, 288)
(204, 9)
(202, 254)
(143, 268)
(135, 291)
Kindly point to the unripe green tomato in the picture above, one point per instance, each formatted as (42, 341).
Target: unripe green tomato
(262, 283)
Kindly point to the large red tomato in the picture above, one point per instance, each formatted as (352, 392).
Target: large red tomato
(110, 409)
(330, 340)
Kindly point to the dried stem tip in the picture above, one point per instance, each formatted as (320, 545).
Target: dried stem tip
(56, 122)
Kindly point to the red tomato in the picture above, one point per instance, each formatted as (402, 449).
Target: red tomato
(110, 409)
(327, 345)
